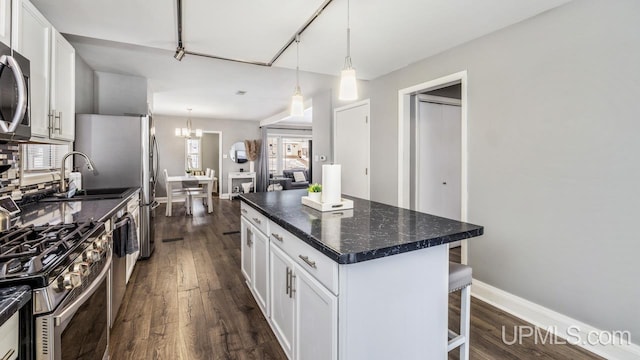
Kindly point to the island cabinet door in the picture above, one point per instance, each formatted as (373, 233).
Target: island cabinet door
(246, 249)
(261, 270)
(316, 319)
(282, 300)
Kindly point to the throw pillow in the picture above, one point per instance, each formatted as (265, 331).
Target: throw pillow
(299, 176)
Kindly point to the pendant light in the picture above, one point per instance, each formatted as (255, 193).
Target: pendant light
(348, 85)
(187, 131)
(297, 101)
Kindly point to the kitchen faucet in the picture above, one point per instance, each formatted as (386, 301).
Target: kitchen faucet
(63, 184)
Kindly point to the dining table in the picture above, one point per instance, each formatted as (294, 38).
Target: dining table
(181, 180)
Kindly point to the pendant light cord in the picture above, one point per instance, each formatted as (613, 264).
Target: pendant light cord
(297, 63)
(347, 60)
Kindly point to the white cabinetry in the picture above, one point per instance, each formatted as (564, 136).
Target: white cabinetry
(63, 85)
(316, 319)
(255, 256)
(304, 312)
(52, 73)
(282, 300)
(5, 22)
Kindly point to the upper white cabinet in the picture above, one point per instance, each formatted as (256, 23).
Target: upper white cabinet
(63, 85)
(5, 22)
(52, 73)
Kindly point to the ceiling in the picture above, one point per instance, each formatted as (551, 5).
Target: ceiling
(139, 37)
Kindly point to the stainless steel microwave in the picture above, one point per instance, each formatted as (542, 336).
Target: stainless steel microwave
(15, 119)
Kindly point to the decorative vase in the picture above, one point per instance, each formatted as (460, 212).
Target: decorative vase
(252, 166)
(315, 196)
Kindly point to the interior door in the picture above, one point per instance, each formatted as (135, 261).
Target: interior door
(438, 161)
(351, 148)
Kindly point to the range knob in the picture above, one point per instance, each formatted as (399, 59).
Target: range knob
(91, 256)
(101, 244)
(81, 268)
(71, 280)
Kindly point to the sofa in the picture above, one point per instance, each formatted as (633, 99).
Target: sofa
(290, 182)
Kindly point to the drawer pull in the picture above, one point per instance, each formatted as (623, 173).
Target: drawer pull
(9, 354)
(257, 221)
(244, 211)
(277, 237)
(309, 262)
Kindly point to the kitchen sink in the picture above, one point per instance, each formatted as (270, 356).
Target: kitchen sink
(90, 194)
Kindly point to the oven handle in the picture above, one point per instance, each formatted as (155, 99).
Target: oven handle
(120, 224)
(10, 62)
(71, 309)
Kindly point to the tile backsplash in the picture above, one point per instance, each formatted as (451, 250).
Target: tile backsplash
(10, 180)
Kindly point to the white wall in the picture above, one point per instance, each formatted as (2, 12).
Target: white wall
(84, 87)
(553, 156)
(172, 148)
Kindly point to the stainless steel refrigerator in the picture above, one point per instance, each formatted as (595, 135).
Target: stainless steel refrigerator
(125, 153)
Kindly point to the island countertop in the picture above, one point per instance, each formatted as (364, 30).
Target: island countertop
(370, 230)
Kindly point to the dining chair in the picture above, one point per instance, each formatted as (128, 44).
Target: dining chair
(173, 195)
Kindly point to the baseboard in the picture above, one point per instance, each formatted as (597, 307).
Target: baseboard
(545, 318)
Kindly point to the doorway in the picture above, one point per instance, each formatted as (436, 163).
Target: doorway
(436, 187)
(212, 155)
(408, 166)
(351, 147)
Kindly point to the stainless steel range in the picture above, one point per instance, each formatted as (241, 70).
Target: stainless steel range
(67, 266)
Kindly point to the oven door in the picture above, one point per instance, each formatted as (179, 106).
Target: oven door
(79, 329)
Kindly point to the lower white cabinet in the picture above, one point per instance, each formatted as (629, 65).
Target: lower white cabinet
(246, 250)
(255, 262)
(304, 314)
(282, 299)
(261, 270)
(316, 319)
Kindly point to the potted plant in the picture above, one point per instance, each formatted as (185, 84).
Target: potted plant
(315, 192)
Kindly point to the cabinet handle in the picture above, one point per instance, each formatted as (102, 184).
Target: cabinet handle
(244, 211)
(8, 355)
(277, 237)
(249, 242)
(52, 120)
(257, 221)
(309, 262)
(288, 287)
(59, 117)
(292, 289)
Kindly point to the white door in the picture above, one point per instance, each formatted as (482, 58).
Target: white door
(246, 249)
(261, 269)
(438, 160)
(282, 301)
(351, 148)
(63, 70)
(316, 319)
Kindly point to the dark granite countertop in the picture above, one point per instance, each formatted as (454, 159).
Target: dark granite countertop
(370, 230)
(12, 299)
(40, 213)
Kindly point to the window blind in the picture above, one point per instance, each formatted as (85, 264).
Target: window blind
(43, 157)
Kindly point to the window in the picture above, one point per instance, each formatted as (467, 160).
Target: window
(193, 160)
(41, 162)
(287, 153)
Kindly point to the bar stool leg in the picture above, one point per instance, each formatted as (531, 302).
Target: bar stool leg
(465, 321)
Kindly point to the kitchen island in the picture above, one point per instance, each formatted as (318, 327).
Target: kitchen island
(366, 283)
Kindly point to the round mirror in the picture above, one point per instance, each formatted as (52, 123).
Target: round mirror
(238, 154)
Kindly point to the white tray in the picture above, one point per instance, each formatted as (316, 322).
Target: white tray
(342, 205)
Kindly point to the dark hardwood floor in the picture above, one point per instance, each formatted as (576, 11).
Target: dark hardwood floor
(189, 301)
